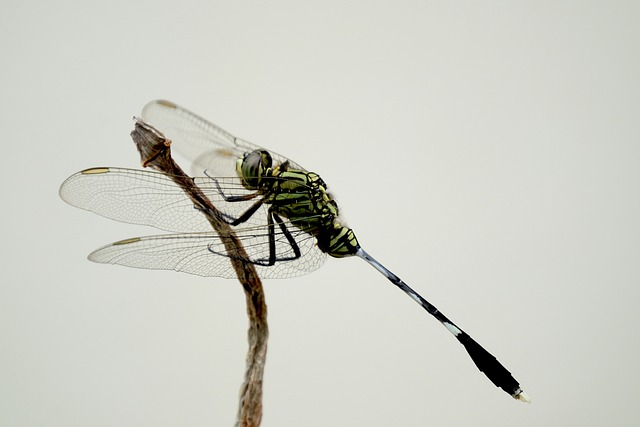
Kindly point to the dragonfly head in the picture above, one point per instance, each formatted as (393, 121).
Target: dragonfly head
(252, 167)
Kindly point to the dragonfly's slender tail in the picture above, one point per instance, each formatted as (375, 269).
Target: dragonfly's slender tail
(484, 360)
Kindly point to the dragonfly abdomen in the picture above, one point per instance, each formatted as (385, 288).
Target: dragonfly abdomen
(338, 241)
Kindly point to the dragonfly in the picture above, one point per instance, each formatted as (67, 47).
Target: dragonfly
(284, 215)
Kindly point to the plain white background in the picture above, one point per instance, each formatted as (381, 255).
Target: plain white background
(486, 152)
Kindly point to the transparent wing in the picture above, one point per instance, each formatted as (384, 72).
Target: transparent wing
(153, 199)
(206, 145)
(135, 197)
(203, 254)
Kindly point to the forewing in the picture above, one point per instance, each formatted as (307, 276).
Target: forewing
(134, 196)
(206, 145)
(152, 198)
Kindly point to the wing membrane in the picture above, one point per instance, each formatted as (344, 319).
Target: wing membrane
(134, 196)
(153, 199)
(200, 253)
(206, 145)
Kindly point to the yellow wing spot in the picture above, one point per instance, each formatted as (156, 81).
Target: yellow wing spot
(224, 152)
(94, 171)
(166, 103)
(127, 241)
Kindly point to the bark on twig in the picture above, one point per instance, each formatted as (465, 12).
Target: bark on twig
(155, 152)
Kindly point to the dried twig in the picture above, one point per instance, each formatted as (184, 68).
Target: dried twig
(155, 152)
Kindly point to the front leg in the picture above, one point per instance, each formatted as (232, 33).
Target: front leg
(233, 199)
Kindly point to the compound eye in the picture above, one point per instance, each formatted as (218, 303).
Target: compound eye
(252, 167)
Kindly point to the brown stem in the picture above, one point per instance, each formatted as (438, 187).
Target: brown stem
(155, 152)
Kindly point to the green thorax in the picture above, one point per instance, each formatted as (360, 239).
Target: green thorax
(302, 198)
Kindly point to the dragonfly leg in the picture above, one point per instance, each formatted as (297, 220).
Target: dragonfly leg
(232, 199)
(248, 213)
(272, 220)
(242, 218)
(287, 234)
(224, 216)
